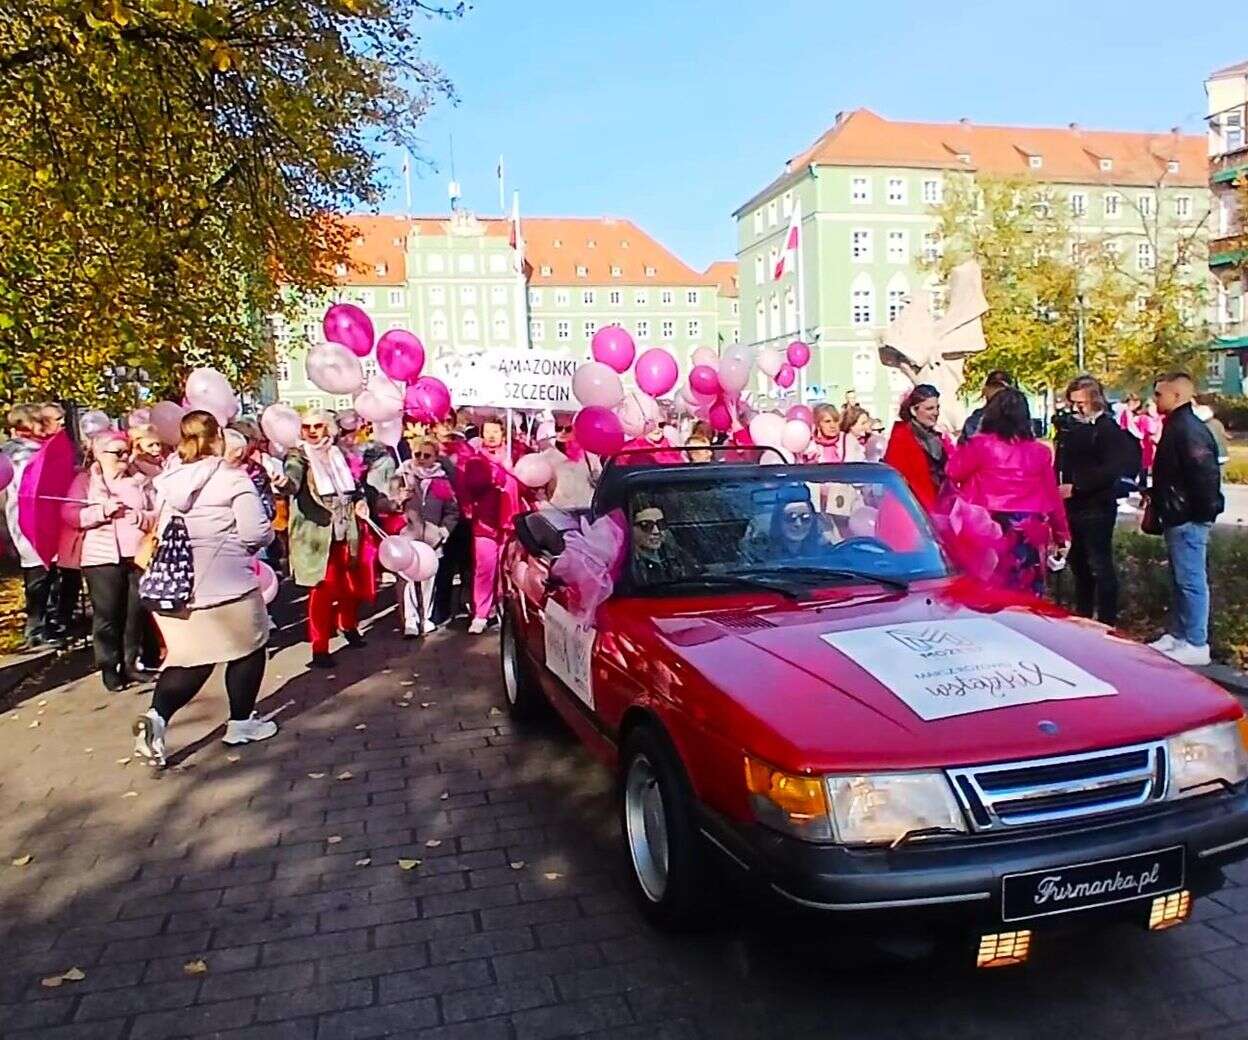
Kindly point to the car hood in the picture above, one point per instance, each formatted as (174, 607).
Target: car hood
(767, 679)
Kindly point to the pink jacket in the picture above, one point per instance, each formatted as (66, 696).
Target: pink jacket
(106, 540)
(1009, 477)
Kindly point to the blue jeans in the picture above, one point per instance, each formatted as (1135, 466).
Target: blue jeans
(1188, 546)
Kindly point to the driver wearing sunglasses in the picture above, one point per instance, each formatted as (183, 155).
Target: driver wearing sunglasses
(657, 557)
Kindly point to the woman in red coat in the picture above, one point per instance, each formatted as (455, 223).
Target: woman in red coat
(916, 449)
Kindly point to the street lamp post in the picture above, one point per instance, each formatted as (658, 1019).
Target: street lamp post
(1079, 332)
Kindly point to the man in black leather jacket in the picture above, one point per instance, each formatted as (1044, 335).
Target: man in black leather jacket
(1186, 497)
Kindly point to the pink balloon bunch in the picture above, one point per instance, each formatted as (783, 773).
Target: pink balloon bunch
(715, 385)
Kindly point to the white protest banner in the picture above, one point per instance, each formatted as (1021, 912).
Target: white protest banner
(510, 378)
(945, 668)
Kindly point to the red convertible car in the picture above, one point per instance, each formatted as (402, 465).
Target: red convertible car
(791, 683)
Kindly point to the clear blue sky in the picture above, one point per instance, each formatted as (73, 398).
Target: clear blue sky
(673, 112)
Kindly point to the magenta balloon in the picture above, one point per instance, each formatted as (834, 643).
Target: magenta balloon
(798, 354)
(656, 371)
(598, 430)
(6, 471)
(803, 412)
(400, 355)
(347, 324)
(428, 395)
(613, 346)
(704, 379)
(397, 553)
(720, 417)
(786, 375)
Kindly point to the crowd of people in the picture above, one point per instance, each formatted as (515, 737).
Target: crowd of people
(237, 505)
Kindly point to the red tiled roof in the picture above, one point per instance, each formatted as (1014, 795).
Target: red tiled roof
(1068, 154)
(725, 274)
(1238, 69)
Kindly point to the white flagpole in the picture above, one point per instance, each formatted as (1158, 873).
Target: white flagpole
(799, 274)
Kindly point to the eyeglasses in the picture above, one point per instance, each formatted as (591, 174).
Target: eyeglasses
(651, 526)
(798, 518)
(118, 453)
(426, 456)
(563, 428)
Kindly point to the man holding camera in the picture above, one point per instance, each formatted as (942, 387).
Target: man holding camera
(1095, 463)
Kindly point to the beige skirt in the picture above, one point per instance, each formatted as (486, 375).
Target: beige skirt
(215, 635)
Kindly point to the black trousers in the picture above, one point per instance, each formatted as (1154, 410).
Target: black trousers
(1092, 564)
(63, 601)
(456, 559)
(37, 582)
(117, 616)
(176, 686)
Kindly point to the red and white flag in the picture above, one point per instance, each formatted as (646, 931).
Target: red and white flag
(792, 242)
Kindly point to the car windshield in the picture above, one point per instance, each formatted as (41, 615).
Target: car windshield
(785, 532)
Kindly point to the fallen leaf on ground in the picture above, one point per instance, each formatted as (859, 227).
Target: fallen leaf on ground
(402, 704)
(427, 704)
(363, 862)
(316, 776)
(362, 726)
(517, 864)
(51, 982)
(88, 750)
(408, 864)
(39, 713)
(33, 724)
(445, 795)
(407, 682)
(15, 716)
(333, 839)
(123, 761)
(131, 794)
(21, 861)
(195, 967)
(433, 843)
(43, 704)
(496, 711)
(346, 774)
(74, 975)
(552, 876)
(233, 758)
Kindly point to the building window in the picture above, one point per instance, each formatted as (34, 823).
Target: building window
(616, 297)
(736, 308)
(471, 329)
(1183, 206)
(340, 270)
(467, 294)
(773, 319)
(364, 297)
(1078, 204)
(860, 246)
(691, 297)
(736, 335)
(938, 301)
(1172, 166)
(310, 330)
(790, 310)
(498, 263)
(773, 256)
(498, 294)
(643, 329)
(1145, 204)
(665, 296)
(1141, 304)
(563, 330)
(535, 297)
(1144, 256)
(283, 371)
(862, 303)
(537, 331)
(641, 297)
(1035, 161)
(437, 325)
(760, 322)
(668, 330)
(562, 297)
(1233, 131)
(499, 325)
(1107, 165)
(758, 221)
(898, 247)
(467, 263)
(546, 270)
(931, 247)
(395, 297)
(381, 269)
(436, 263)
(931, 192)
(587, 296)
(760, 274)
(694, 328)
(1112, 201)
(590, 328)
(616, 271)
(437, 295)
(651, 272)
(860, 190)
(773, 213)
(896, 191)
(786, 204)
(897, 299)
(1113, 250)
(582, 271)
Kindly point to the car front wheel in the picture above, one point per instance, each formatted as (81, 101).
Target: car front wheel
(521, 688)
(667, 856)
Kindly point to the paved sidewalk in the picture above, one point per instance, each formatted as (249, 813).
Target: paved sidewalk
(258, 892)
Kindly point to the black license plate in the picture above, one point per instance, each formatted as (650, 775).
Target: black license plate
(1081, 886)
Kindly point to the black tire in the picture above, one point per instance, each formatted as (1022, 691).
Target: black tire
(521, 690)
(676, 896)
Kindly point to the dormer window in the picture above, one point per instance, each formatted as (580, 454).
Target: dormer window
(340, 270)
(558, 242)
(623, 243)
(381, 269)
(546, 271)
(1172, 166)
(1035, 161)
(582, 271)
(616, 271)
(592, 244)
(651, 272)
(1107, 165)
(964, 157)
(397, 242)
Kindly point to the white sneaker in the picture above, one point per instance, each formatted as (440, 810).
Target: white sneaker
(476, 626)
(244, 731)
(428, 628)
(1192, 656)
(1165, 644)
(149, 737)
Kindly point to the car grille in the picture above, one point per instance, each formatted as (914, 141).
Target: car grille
(1019, 794)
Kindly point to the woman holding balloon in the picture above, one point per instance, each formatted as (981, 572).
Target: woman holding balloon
(431, 514)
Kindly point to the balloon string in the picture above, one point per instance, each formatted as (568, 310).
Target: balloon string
(376, 530)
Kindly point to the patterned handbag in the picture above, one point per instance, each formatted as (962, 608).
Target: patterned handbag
(169, 581)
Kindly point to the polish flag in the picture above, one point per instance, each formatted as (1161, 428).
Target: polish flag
(792, 242)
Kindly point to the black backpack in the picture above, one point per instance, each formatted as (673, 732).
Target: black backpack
(169, 581)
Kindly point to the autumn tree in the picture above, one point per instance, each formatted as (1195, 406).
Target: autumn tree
(167, 166)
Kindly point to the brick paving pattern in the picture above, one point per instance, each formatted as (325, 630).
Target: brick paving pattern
(277, 866)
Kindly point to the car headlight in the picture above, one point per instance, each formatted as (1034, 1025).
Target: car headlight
(882, 808)
(1204, 758)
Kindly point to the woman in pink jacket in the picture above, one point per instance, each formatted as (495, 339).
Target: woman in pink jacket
(118, 510)
(1004, 470)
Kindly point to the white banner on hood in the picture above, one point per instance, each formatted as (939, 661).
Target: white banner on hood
(945, 668)
(510, 378)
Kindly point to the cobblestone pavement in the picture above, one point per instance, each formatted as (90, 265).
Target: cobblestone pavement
(261, 891)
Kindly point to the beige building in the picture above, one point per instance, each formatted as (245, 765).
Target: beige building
(1227, 93)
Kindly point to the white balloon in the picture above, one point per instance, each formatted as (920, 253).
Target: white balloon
(377, 409)
(704, 356)
(796, 436)
(334, 369)
(769, 361)
(388, 431)
(638, 412)
(767, 428)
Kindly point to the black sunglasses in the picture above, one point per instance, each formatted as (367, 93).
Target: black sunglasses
(650, 525)
(798, 518)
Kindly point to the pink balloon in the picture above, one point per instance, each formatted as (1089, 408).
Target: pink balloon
(720, 417)
(388, 431)
(769, 361)
(704, 380)
(6, 471)
(208, 389)
(167, 420)
(376, 408)
(347, 324)
(796, 436)
(704, 356)
(397, 553)
(598, 430)
(139, 417)
(767, 428)
(863, 521)
(877, 444)
(335, 369)
(596, 383)
(734, 375)
(280, 424)
(400, 355)
(614, 347)
(638, 413)
(424, 563)
(533, 471)
(786, 375)
(656, 371)
(268, 580)
(798, 354)
(430, 396)
(803, 412)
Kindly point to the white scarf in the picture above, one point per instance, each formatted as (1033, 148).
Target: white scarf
(330, 473)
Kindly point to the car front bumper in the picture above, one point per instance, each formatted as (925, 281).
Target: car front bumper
(961, 878)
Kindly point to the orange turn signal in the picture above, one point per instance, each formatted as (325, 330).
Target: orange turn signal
(801, 798)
